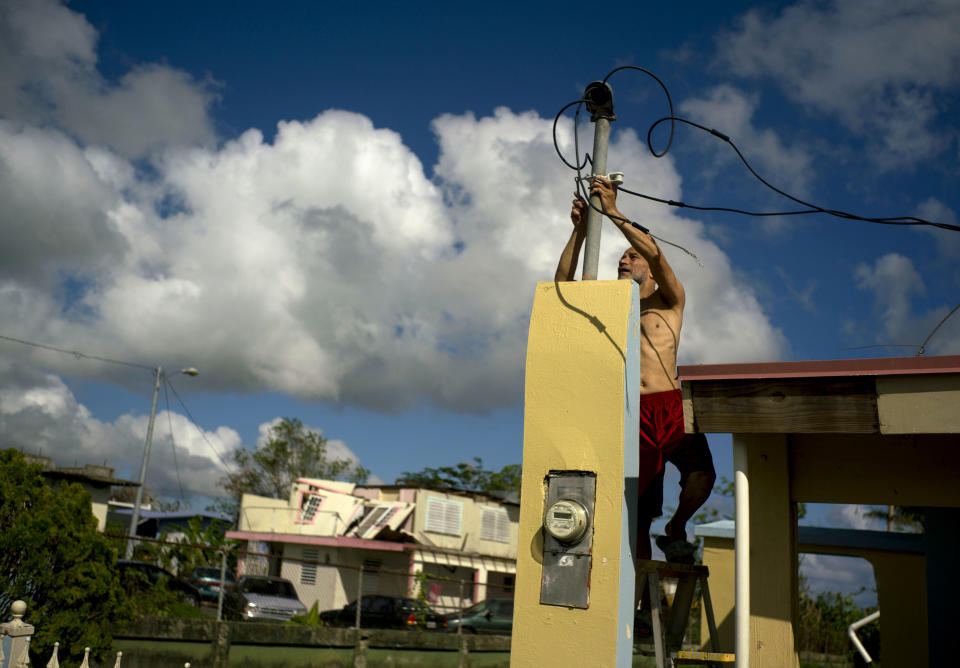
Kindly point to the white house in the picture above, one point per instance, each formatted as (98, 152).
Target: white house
(334, 540)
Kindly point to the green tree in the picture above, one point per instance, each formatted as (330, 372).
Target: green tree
(465, 476)
(291, 452)
(53, 557)
(902, 518)
(199, 545)
(824, 620)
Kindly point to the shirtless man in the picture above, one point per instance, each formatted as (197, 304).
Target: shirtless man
(662, 437)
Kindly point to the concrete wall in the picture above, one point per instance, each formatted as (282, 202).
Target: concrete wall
(580, 402)
(898, 566)
(469, 538)
(335, 582)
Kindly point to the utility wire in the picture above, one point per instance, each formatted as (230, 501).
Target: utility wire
(77, 353)
(82, 355)
(194, 422)
(173, 443)
(811, 208)
(578, 166)
(673, 119)
(923, 346)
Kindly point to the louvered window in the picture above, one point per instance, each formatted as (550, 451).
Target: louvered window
(308, 571)
(495, 525)
(309, 506)
(371, 519)
(371, 575)
(444, 516)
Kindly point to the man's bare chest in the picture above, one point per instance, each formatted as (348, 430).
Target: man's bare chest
(660, 328)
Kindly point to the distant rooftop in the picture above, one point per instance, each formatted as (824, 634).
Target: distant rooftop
(92, 473)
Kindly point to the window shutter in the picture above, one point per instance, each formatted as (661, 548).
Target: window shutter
(444, 516)
(495, 525)
(308, 572)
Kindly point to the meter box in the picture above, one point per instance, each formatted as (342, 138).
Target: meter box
(568, 538)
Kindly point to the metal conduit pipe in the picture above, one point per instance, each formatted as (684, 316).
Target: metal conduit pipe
(741, 544)
(852, 632)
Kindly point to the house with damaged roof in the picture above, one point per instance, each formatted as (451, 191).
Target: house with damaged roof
(337, 540)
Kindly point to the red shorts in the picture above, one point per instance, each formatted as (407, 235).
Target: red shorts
(661, 427)
(663, 439)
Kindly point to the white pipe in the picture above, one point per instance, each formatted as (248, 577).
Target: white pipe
(741, 544)
(852, 632)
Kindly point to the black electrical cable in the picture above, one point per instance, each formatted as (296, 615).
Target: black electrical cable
(811, 208)
(556, 146)
(634, 224)
(578, 166)
(665, 92)
(923, 346)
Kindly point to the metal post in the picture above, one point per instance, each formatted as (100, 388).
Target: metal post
(599, 98)
(223, 576)
(359, 595)
(741, 554)
(135, 520)
(460, 611)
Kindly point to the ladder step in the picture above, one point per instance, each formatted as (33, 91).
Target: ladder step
(697, 658)
(671, 570)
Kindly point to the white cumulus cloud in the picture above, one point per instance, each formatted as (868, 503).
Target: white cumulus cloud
(327, 263)
(878, 66)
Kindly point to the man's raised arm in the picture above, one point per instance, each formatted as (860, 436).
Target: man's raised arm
(670, 287)
(567, 267)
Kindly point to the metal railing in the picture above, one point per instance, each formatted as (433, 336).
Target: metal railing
(253, 518)
(444, 595)
(20, 634)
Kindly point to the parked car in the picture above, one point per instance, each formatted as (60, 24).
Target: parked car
(138, 575)
(207, 581)
(491, 616)
(261, 598)
(385, 612)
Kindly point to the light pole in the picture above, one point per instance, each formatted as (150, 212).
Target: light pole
(135, 519)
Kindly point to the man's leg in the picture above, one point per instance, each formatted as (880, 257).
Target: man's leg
(693, 494)
(643, 538)
(697, 475)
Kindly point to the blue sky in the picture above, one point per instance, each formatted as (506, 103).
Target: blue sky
(338, 212)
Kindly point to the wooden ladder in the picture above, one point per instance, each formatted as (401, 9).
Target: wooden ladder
(668, 633)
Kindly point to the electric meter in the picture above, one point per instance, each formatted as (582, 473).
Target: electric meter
(566, 520)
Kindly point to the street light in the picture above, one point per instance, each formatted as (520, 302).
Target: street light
(135, 520)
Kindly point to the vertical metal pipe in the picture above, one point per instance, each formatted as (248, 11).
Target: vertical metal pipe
(460, 611)
(223, 576)
(591, 252)
(741, 544)
(359, 595)
(135, 519)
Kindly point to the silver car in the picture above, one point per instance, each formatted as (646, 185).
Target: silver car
(261, 598)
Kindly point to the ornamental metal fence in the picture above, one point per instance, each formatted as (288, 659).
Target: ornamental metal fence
(15, 637)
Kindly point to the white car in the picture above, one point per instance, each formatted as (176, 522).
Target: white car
(261, 598)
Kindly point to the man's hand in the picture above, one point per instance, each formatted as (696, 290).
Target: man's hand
(578, 212)
(567, 266)
(607, 192)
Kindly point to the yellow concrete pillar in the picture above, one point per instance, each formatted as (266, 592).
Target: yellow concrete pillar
(581, 401)
(718, 556)
(773, 552)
